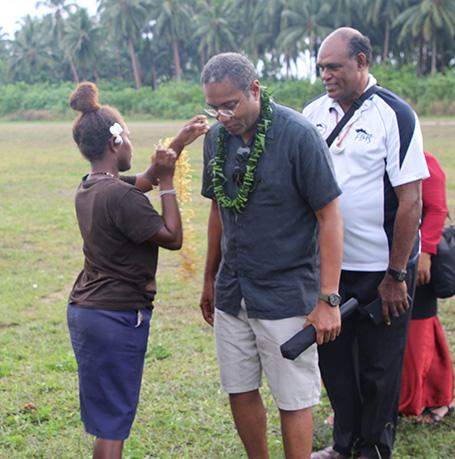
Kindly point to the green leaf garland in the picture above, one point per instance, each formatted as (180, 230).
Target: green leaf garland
(238, 203)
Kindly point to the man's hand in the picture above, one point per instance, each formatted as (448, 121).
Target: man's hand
(394, 298)
(207, 301)
(424, 269)
(190, 132)
(326, 320)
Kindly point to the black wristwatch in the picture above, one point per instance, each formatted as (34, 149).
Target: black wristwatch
(332, 299)
(399, 276)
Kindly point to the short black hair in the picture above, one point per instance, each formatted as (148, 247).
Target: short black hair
(359, 43)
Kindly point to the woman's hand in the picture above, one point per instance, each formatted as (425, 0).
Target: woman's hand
(163, 162)
(190, 132)
(424, 269)
(187, 134)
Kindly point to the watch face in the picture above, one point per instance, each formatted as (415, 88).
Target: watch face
(399, 276)
(334, 299)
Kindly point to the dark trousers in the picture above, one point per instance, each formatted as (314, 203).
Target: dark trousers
(361, 371)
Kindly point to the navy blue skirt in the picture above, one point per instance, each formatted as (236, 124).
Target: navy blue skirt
(110, 347)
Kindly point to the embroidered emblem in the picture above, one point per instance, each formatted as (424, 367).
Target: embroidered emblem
(363, 136)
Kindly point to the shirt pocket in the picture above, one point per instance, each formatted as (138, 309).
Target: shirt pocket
(269, 191)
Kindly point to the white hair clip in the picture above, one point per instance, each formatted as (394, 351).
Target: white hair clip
(116, 130)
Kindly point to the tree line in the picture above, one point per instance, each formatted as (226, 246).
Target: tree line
(146, 42)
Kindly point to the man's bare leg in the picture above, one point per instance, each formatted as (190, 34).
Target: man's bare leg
(251, 423)
(297, 432)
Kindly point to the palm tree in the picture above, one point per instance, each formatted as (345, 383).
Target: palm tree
(382, 13)
(3, 54)
(30, 53)
(213, 28)
(126, 19)
(267, 24)
(342, 12)
(245, 20)
(81, 40)
(173, 19)
(305, 23)
(155, 60)
(426, 20)
(59, 8)
(3, 38)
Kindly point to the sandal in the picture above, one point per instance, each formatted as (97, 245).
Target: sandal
(434, 415)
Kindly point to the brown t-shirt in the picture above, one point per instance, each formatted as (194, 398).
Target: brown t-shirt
(116, 221)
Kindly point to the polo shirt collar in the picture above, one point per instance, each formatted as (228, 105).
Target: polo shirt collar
(336, 106)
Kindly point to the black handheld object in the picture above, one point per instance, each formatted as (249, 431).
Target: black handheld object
(373, 311)
(302, 340)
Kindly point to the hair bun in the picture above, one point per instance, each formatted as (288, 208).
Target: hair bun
(85, 98)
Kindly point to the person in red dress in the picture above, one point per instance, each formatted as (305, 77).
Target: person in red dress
(428, 380)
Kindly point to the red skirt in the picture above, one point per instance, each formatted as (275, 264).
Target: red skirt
(427, 369)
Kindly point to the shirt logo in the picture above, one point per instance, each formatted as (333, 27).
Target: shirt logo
(363, 136)
(322, 128)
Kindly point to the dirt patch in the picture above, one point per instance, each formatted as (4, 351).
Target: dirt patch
(8, 325)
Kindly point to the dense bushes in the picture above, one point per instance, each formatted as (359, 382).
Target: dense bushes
(433, 95)
(295, 93)
(429, 96)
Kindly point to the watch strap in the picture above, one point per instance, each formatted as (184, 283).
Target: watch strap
(399, 276)
(332, 299)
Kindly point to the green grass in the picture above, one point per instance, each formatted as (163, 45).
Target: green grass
(183, 413)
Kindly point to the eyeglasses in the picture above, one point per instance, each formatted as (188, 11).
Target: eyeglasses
(226, 113)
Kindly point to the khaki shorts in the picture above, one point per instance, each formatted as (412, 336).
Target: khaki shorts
(246, 346)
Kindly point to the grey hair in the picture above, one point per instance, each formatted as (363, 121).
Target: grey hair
(232, 66)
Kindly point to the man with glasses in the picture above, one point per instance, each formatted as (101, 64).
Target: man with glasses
(274, 219)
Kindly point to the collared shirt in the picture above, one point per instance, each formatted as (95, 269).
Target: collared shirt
(380, 148)
(270, 250)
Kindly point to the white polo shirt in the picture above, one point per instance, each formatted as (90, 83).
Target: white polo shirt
(379, 148)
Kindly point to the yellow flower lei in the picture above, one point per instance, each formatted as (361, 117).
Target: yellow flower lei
(183, 188)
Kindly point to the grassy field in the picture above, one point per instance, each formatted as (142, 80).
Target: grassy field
(183, 413)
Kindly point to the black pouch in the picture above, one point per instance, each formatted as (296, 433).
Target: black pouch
(443, 265)
(373, 311)
(303, 339)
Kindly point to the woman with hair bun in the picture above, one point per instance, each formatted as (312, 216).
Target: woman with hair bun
(110, 304)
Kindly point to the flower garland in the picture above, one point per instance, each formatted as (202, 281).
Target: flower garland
(183, 185)
(238, 203)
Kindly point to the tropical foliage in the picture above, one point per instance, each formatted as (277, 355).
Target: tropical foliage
(429, 95)
(147, 42)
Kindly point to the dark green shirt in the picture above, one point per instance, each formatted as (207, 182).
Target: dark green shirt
(270, 251)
